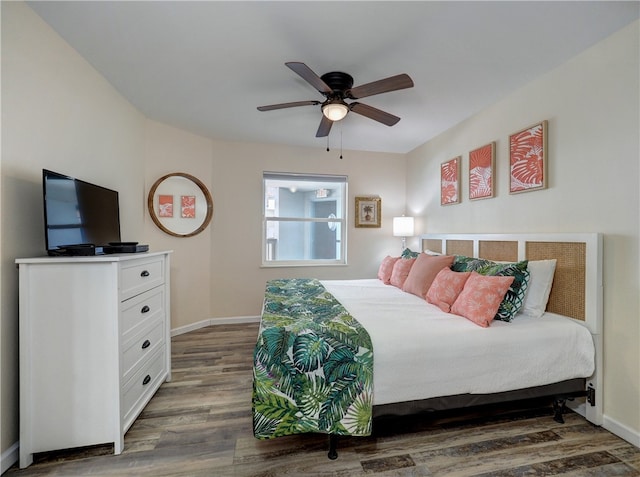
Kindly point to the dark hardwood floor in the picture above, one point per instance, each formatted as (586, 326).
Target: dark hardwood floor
(200, 425)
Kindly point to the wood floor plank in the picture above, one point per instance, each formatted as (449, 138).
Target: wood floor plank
(629, 454)
(200, 424)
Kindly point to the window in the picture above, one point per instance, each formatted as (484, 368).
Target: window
(303, 220)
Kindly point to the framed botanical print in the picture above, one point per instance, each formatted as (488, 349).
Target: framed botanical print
(368, 213)
(165, 205)
(528, 159)
(481, 172)
(450, 181)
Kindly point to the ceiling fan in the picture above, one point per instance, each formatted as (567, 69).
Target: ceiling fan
(336, 87)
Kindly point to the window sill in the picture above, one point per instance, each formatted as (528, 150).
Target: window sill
(307, 264)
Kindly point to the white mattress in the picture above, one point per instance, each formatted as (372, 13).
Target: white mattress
(421, 352)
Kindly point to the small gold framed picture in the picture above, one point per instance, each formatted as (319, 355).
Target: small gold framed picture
(368, 213)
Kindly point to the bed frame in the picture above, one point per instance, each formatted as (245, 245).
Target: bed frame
(577, 293)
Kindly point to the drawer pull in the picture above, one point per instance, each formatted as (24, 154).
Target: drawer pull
(146, 380)
(145, 273)
(145, 309)
(146, 344)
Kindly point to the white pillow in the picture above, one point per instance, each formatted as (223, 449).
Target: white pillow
(540, 281)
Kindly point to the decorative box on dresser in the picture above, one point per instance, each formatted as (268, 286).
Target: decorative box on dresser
(94, 347)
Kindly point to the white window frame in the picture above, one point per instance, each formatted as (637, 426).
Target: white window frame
(304, 177)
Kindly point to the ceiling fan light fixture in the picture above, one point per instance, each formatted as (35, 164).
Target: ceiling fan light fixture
(335, 111)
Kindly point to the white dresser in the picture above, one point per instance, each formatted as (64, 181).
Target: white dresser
(94, 347)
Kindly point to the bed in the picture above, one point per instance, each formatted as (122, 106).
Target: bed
(399, 354)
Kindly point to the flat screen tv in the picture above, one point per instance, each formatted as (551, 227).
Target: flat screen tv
(78, 213)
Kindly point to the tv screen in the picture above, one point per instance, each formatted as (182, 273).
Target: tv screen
(77, 212)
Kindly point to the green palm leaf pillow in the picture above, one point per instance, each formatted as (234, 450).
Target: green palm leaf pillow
(408, 253)
(514, 299)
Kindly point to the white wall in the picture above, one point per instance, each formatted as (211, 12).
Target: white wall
(237, 280)
(58, 113)
(592, 104)
(217, 273)
(172, 150)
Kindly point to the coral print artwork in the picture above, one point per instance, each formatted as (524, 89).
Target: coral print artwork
(188, 206)
(165, 206)
(450, 181)
(528, 157)
(481, 165)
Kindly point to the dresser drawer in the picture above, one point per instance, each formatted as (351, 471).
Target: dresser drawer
(140, 275)
(142, 344)
(140, 310)
(139, 389)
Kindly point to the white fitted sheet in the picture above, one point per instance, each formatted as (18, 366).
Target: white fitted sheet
(421, 352)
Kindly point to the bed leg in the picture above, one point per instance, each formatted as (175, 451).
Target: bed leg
(558, 408)
(333, 444)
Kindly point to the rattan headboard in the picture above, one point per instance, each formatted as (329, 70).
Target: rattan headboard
(577, 284)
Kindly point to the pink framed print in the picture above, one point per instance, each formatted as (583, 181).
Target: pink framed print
(528, 159)
(481, 167)
(188, 206)
(450, 181)
(165, 205)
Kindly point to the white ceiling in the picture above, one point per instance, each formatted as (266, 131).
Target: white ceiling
(205, 66)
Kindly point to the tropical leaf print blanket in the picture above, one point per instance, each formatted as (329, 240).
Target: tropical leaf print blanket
(312, 364)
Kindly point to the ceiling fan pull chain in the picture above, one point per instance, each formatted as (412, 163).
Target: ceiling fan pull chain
(340, 140)
(327, 143)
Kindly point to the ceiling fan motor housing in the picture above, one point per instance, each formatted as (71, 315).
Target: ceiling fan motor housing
(339, 82)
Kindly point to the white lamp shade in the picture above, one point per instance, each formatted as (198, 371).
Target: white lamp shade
(335, 111)
(403, 227)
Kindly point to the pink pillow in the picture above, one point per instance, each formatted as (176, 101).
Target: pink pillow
(481, 297)
(386, 267)
(446, 287)
(424, 271)
(400, 271)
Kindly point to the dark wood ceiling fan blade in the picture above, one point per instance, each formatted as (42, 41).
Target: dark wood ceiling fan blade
(374, 113)
(271, 107)
(325, 127)
(309, 76)
(393, 83)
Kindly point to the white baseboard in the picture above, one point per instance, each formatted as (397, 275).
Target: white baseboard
(611, 425)
(214, 321)
(9, 457)
(620, 430)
